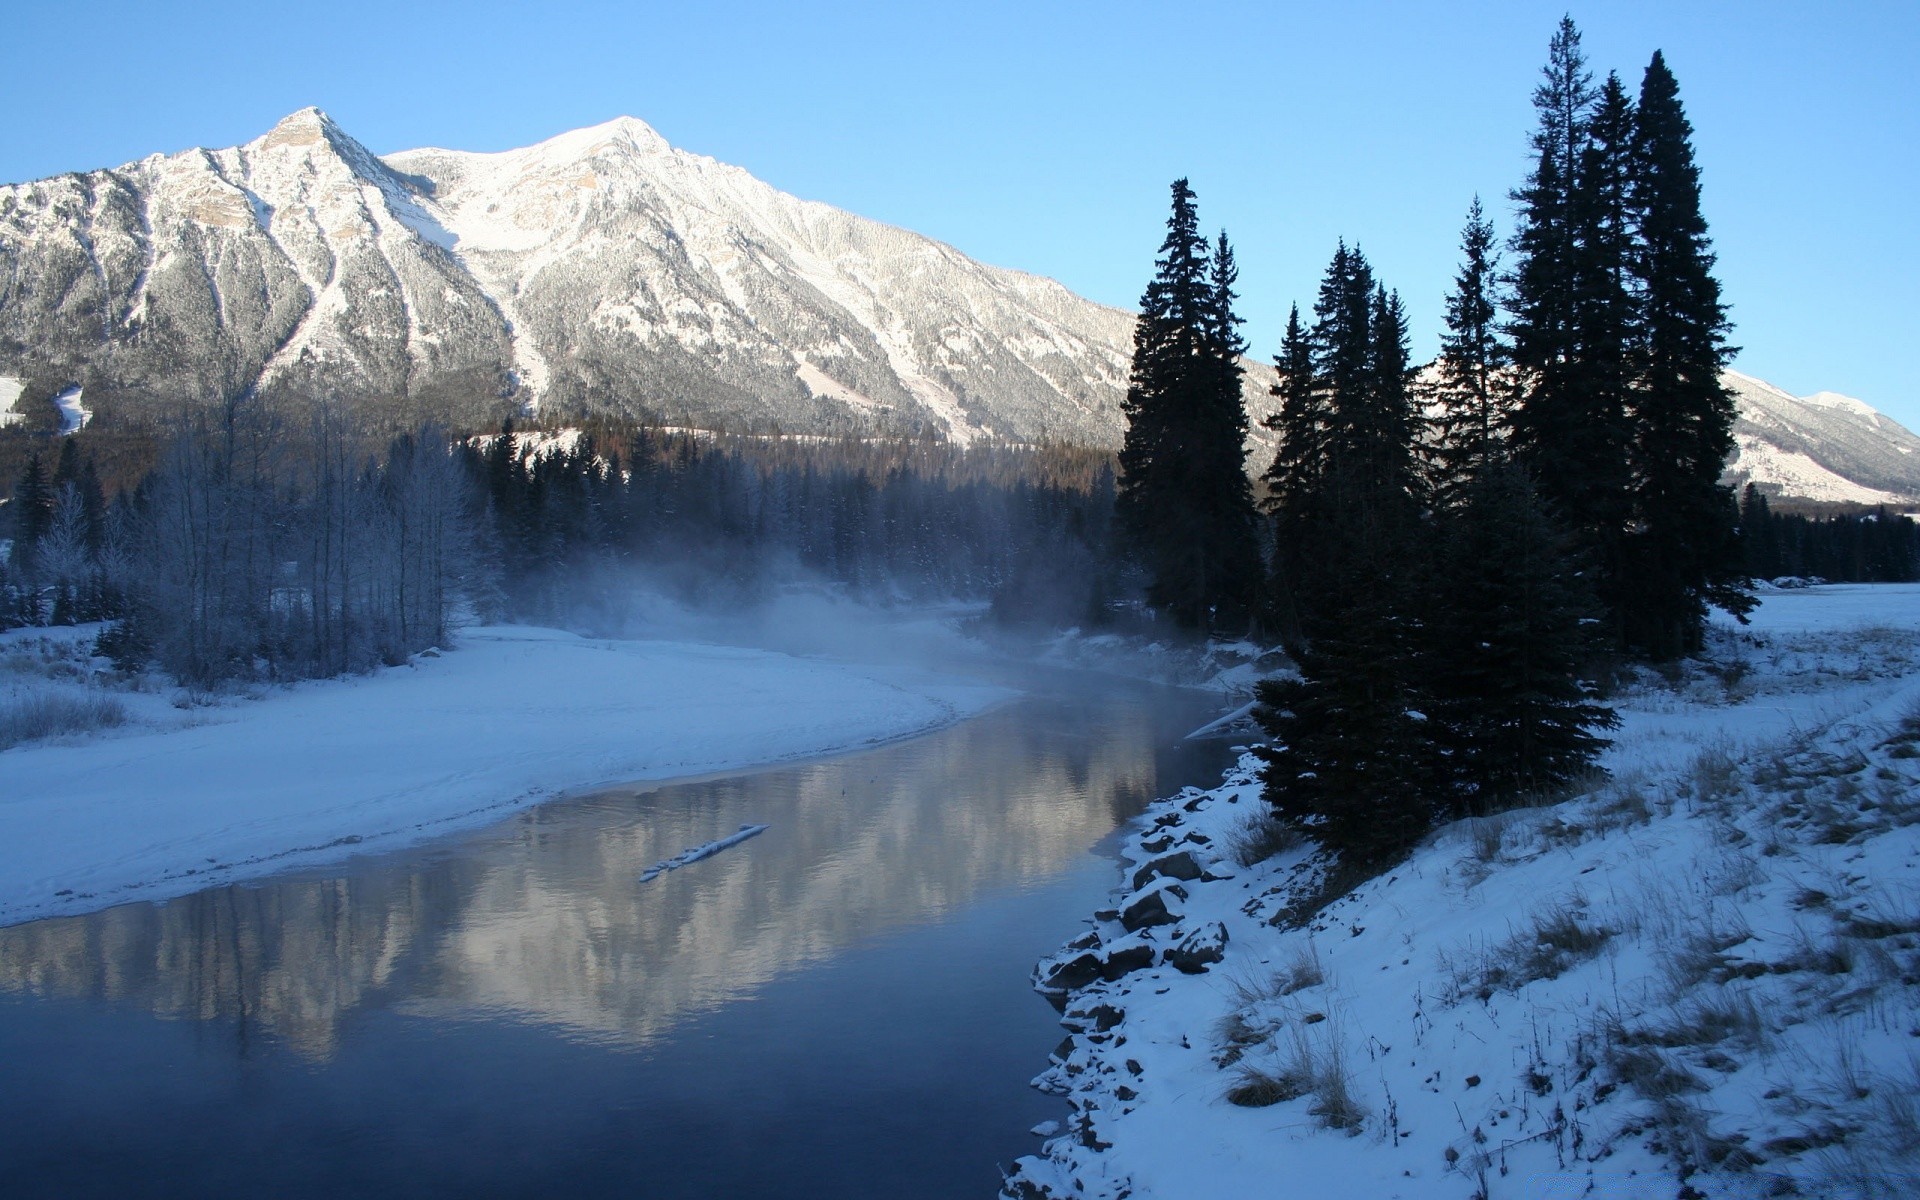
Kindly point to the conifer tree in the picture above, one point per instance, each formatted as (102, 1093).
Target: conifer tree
(1184, 503)
(1503, 653)
(1300, 421)
(1471, 395)
(1349, 757)
(1543, 244)
(1685, 554)
(1295, 476)
(32, 512)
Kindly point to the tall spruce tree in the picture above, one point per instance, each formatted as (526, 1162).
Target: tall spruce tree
(1295, 477)
(1685, 553)
(1349, 757)
(1471, 395)
(1543, 243)
(1185, 505)
(1507, 640)
(32, 512)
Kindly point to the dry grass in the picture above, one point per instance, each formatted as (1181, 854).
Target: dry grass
(1553, 939)
(1259, 836)
(29, 716)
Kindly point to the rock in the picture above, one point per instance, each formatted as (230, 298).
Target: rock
(1092, 1018)
(1207, 944)
(1122, 960)
(1068, 974)
(1179, 865)
(1157, 904)
(1158, 844)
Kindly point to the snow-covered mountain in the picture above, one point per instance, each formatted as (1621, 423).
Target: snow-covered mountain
(604, 271)
(1825, 447)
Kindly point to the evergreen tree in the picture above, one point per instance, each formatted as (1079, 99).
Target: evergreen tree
(1543, 243)
(1472, 398)
(1347, 756)
(1685, 554)
(1380, 434)
(1507, 641)
(32, 513)
(1301, 422)
(1184, 503)
(1296, 475)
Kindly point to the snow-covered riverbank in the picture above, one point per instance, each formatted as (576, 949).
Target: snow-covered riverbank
(175, 801)
(1701, 978)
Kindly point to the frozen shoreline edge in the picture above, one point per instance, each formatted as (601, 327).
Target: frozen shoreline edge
(951, 699)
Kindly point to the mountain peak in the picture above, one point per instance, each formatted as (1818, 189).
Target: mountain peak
(629, 132)
(302, 127)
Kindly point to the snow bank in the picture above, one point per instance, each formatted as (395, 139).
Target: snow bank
(1702, 978)
(516, 716)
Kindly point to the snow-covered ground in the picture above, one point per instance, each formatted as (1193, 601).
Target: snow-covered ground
(174, 799)
(1698, 978)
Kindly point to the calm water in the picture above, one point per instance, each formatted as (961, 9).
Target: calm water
(838, 1007)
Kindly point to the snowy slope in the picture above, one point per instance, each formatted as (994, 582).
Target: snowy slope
(1703, 974)
(1820, 447)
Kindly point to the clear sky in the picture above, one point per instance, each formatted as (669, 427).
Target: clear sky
(1043, 135)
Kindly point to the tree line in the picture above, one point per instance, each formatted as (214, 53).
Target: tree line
(255, 548)
(260, 547)
(1448, 553)
(1871, 547)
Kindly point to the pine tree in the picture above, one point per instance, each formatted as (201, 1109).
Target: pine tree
(1349, 756)
(1301, 422)
(1382, 431)
(1504, 650)
(1296, 476)
(1471, 395)
(1758, 539)
(1184, 503)
(1544, 242)
(32, 512)
(1685, 554)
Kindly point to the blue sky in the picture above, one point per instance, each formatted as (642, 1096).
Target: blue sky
(1043, 135)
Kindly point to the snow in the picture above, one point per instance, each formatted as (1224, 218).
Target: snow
(73, 415)
(184, 799)
(1798, 475)
(10, 389)
(1694, 973)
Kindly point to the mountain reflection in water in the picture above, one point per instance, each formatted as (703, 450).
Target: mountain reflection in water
(542, 920)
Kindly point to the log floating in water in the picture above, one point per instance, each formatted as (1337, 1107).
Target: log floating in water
(706, 850)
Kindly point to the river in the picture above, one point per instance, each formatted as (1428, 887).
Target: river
(837, 1007)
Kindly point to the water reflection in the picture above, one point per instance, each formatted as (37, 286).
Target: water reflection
(542, 919)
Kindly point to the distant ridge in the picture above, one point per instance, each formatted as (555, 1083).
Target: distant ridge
(605, 271)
